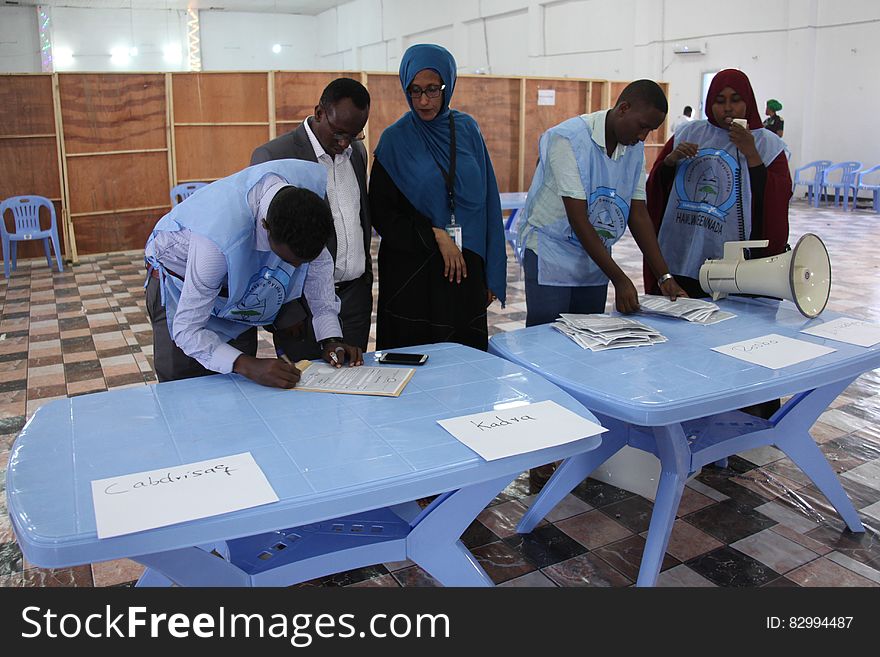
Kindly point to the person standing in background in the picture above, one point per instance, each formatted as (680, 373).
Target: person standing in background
(774, 122)
(682, 120)
(715, 182)
(333, 137)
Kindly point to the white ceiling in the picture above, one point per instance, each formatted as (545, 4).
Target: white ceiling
(308, 7)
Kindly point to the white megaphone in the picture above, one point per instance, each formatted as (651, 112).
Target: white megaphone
(802, 275)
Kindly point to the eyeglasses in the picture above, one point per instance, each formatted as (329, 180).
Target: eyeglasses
(340, 136)
(431, 91)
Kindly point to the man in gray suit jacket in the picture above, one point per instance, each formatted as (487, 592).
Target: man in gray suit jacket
(332, 136)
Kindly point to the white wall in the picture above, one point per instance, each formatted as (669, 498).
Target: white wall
(92, 34)
(818, 57)
(237, 41)
(19, 40)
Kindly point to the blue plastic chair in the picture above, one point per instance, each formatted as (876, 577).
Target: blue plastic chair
(847, 182)
(812, 183)
(873, 188)
(181, 192)
(515, 202)
(26, 213)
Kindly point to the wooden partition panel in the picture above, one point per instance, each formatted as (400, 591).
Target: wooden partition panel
(571, 99)
(107, 112)
(616, 87)
(211, 152)
(218, 119)
(658, 137)
(387, 104)
(298, 92)
(29, 148)
(120, 231)
(107, 148)
(118, 182)
(495, 104)
(116, 155)
(599, 96)
(220, 98)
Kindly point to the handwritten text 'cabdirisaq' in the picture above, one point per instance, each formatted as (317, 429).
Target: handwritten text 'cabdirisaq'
(171, 478)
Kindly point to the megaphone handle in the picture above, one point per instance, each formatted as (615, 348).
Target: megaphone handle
(734, 250)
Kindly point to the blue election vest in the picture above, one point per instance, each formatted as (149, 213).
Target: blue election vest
(609, 186)
(258, 282)
(711, 198)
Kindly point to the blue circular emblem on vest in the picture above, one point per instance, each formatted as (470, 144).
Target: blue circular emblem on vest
(608, 214)
(707, 183)
(263, 297)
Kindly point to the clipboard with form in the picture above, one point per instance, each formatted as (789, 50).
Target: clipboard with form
(364, 380)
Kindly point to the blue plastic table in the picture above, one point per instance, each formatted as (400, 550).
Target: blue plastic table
(678, 400)
(347, 470)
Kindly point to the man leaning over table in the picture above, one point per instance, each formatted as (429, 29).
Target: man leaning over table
(231, 258)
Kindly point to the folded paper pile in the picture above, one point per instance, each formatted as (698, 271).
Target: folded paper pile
(698, 311)
(601, 332)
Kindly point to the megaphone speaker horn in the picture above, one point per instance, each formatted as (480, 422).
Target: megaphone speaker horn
(802, 275)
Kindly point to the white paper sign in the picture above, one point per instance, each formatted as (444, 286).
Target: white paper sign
(546, 96)
(145, 500)
(845, 329)
(496, 434)
(774, 351)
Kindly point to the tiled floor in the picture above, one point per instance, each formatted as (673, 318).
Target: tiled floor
(755, 523)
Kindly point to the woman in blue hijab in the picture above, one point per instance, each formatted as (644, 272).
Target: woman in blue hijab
(434, 200)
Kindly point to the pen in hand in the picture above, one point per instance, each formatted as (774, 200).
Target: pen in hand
(334, 357)
(280, 353)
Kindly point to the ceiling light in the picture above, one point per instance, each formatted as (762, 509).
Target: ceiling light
(63, 56)
(171, 53)
(119, 55)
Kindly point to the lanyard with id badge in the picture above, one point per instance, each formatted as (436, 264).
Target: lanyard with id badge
(452, 229)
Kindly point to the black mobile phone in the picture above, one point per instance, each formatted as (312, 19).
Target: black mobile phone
(399, 358)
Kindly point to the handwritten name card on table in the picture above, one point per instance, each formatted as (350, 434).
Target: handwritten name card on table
(846, 329)
(144, 500)
(521, 429)
(773, 351)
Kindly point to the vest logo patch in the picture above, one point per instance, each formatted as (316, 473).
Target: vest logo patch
(608, 214)
(263, 297)
(706, 184)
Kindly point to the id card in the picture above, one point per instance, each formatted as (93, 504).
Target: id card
(454, 231)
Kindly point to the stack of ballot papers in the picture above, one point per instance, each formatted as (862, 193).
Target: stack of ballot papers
(698, 311)
(600, 332)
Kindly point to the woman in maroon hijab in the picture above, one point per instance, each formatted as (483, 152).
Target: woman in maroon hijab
(716, 181)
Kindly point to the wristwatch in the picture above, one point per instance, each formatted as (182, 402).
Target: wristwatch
(327, 341)
(665, 277)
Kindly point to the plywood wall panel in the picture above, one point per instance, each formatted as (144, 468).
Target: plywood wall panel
(211, 152)
(26, 105)
(220, 97)
(597, 96)
(29, 166)
(651, 153)
(494, 103)
(115, 232)
(111, 112)
(297, 93)
(117, 182)
(570, 100)
(387, 105)
(617, 86)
